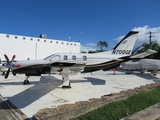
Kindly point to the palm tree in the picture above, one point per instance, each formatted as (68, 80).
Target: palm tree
(146, 46)
(154, 46)
(102, 44)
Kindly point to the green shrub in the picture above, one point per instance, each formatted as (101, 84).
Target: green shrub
(120, 109)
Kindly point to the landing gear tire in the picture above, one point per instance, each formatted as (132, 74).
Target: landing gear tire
(26, 82)
(3, 73)
(65, 86)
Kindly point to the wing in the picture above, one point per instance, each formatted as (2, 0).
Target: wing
(68, 68)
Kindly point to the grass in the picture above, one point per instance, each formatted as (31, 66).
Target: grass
(120, 109)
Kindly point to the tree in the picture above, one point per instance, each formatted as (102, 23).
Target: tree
(102, 44)
(154, 46)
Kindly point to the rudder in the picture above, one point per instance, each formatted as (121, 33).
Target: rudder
(125, 46)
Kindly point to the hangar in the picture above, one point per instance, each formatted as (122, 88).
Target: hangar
(25, 47)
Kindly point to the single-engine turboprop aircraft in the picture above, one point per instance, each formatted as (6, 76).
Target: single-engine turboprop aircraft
(142, 65)
(66, 64)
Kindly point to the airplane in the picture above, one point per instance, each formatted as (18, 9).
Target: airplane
(142, 65)
(66, 64)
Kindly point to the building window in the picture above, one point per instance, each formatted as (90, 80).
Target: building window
(65, 57)
(50, 41)
(16, 37)
(44, 40)
(84, 57)
(38, 39)
(24, 38)
(73, 57)
(7, 36)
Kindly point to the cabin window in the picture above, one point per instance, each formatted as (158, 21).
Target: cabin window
(7, 36)
(16, 37)
(31, 39)
(24, 38)
(73, 57)
(65, 57)
(57, 42)
(62, 42)
(71, 43)
(84, 57)
(38, 39)
(74, 44)
(67, 43)
(56, 58)
(44, 40)
(50, 41)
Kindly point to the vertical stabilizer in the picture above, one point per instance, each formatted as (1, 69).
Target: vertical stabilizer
(125, 46)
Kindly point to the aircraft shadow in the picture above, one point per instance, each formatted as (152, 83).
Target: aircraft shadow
(17, 83)
(147, 76)
(42, 87)
(93, 81)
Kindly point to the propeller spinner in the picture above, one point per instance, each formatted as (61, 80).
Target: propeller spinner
(8, 65)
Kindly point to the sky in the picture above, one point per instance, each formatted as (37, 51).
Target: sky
(86, 21)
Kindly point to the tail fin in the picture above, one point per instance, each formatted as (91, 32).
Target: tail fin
(125, 46)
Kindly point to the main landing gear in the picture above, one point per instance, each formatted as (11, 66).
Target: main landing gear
(66, 82)
(26, 81)
(66, 86)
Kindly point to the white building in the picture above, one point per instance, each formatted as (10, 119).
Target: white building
(34, 48)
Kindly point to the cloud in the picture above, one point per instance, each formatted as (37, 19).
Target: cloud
(87, 48)
(81, 32)
(143, 35)
(91, 44)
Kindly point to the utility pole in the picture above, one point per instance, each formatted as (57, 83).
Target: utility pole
(150, 35)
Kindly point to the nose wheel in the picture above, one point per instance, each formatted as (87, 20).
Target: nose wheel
(26, 81)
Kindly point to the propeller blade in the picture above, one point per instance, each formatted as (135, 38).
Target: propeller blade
(7, 59)
(9, 65)
(14, 73)
(14, 56)
(7, 73)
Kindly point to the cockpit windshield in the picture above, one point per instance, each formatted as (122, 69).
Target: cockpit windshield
(49, 57)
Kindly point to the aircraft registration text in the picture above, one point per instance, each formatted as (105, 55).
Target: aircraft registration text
(121, 52)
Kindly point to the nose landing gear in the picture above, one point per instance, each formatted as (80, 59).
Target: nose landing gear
(26, 81)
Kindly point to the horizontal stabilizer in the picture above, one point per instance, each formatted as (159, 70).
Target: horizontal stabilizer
(143, 54)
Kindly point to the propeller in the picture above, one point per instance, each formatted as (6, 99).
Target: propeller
(8, 65)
